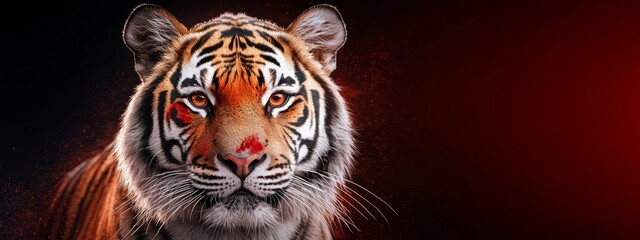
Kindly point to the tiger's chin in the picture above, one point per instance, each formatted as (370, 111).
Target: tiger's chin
(240, 210)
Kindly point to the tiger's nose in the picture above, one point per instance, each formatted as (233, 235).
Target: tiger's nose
(242, 167)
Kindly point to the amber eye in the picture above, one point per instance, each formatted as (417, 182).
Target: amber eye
(277, 99)
(198, 100)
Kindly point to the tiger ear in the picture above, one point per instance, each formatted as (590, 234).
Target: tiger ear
(322, 29)
(149, 30)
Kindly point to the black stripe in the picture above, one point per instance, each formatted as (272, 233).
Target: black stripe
(174, 95)
(270, 59)
(232, 43)
(210, 49)
(273, 176)
(285, 158)
(294, 131)
(274, 183)
(330, 109)
(260, 78)
(206, 183)
(249, 63)
(303, 93)
(286, 81)
(230, 55)
(145, 119)
(189, 146)
(279, 165)
(167, 144)
(305, 114)
(263, 48)
(236, 32)
(186, 141)
(202, 40)
(249, 42)
(311, 143)
(299, 73)
(205, 60)
(204, 166)
(242, 45)
(296, 102)
(291, 146)
(190, 82)
(203, 76)
(271, 40)
(273, 79)
(184, 131)
(208, 177)
(175, 77)
(215, 80)
(242, 55)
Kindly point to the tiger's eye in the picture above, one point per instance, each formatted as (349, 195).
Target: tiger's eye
(277, 99)
(198, 100)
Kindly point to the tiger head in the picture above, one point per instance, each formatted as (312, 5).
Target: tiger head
(236, 124)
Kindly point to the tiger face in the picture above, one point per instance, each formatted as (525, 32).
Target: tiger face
(234, 120)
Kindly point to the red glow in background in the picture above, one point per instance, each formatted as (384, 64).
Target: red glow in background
(475, 120)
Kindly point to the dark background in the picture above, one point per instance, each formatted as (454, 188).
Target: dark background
(475, 120)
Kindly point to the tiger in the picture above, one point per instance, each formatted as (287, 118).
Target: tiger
(235, 131)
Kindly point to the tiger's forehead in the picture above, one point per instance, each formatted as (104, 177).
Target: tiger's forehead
(237, 20)
(238, 52)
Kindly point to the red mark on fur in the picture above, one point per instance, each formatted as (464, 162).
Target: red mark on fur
(204, 149)
(251, 143)
(182, 112)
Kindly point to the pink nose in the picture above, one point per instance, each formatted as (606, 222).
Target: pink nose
(242, 166)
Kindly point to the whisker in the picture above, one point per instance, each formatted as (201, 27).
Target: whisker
(365, 189)
(355, 199)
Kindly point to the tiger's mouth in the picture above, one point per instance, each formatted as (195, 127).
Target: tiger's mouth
(242, 209)
(242, 192)
(240, 199)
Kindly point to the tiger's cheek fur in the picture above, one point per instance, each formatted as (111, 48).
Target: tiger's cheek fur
(200, 144)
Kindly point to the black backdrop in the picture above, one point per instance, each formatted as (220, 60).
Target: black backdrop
(475, 120)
